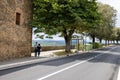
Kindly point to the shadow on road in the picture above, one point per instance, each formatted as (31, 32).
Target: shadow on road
(105, 58)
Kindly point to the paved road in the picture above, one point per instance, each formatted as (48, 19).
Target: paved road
(98, 65)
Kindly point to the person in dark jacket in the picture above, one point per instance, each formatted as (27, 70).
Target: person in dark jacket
(39, 49)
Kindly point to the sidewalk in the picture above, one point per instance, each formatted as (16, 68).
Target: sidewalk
(44, 56)
(47, 53)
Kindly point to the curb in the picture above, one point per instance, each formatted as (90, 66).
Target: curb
(25, 63)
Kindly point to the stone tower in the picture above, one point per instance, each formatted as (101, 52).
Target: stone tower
(15, 32)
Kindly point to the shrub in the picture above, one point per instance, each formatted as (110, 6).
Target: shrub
(85, 47)
(81, 47)
(96, 45)
(88, 47)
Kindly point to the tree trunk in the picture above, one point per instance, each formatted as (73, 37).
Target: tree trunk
(100, 40)
(93, 41)
(117, 41)
(68, 37)
(67, 47)
(114, 41)
(106, 42)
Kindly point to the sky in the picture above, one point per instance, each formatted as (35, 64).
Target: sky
(116, 5)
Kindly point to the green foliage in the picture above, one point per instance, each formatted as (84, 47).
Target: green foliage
(88, 47)
(40, 36)
(53, 16)
(118, 34)
(82, 47)
(50, 37)
(64, 16)
(96, 45)
(108, 21)
(115, 34)
(79, 46)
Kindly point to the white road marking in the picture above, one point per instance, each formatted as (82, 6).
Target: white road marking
(118, 77)
(54, 73)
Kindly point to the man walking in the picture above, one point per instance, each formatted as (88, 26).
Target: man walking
(39, 49)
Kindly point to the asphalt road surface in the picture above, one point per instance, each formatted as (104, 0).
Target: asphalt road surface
(97, 65)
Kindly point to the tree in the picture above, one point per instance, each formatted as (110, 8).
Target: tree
(118, 35)
(107, 22)
(64, 16)
(115, 34)
(109, 18)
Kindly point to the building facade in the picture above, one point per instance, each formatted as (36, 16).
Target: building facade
(15, 32)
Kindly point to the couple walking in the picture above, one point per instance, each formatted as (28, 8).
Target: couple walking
(37, 49)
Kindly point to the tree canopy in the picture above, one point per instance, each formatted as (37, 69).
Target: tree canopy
(64, 16)
(106, 24)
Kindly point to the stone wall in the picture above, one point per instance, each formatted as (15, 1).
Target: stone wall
(15, 40)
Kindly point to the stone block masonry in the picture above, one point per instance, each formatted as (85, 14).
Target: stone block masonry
(15, 32)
